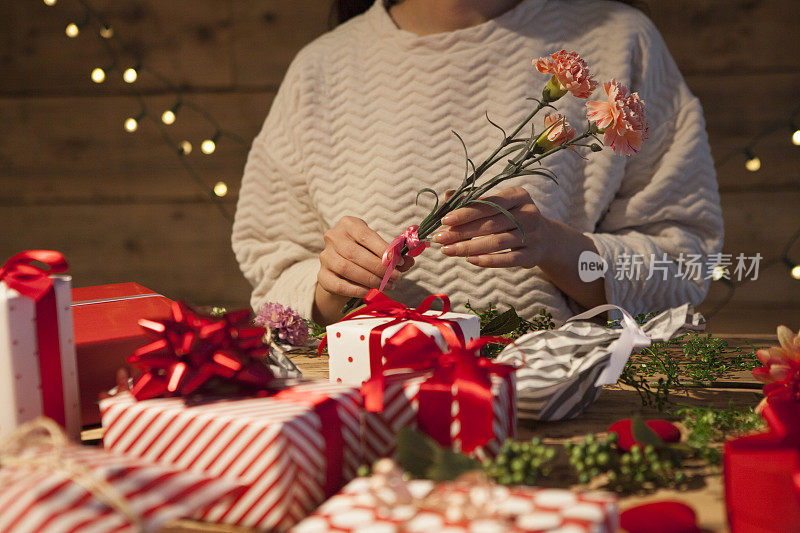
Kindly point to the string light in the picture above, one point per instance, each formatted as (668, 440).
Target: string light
(796, 137)
(717, 273)
(106, 31)
(168, 117)
(753, 163)
(185, 148)
(50, 2)
(132, 123)
(209, 145)
(130, 75)
(72, 30)
(795, 272)
(98, 75)
(220, 189)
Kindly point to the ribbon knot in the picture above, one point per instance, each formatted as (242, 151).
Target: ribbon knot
(21, 274)
(391, 257)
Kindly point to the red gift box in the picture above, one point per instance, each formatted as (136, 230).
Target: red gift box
(107, 331)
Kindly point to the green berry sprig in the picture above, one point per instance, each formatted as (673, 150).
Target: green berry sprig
(521, 463)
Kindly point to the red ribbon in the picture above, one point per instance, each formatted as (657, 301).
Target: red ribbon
(378, 305)
(762, 471)
(391, 257)
(326, 409)
(34, 282)
(457, 376)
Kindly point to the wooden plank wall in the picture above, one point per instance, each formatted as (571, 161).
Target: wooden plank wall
(122, 207)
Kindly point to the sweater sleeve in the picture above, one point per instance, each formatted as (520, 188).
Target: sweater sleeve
(276, 233)
(666, 215)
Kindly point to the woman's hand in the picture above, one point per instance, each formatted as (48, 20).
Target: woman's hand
(488, 238)
(350, 265)
(479, 232)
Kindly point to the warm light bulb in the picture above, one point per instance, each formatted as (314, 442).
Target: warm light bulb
(131, 124)
(49, 2)
(208, 146)
(718, 273)
(72, 30)
(185, 148)
(795, 272)
(98, 75)
(220, 189)
(753, 164)
(168, 117)
(130, 75)
(796, 138)
(106, 32)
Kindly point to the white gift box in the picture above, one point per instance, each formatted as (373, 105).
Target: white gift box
(20, 380)
(349, 341)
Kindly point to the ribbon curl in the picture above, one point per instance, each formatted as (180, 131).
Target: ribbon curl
(391, 257)
(457, 375)
(193, 349)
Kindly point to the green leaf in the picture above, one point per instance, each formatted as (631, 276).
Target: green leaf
(415, 452)
(643, 435)
(431, 191)
(448, 465)
(502, 324)
(504, 211)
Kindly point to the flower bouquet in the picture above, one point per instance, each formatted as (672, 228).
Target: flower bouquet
(620, 118)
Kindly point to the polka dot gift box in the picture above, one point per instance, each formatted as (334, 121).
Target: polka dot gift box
(38, 374)
(355, 343)
(365, 506)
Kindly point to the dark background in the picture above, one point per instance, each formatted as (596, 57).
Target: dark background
(122, 207)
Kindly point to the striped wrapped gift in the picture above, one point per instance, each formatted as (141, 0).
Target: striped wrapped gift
(560, 372)
(292, 449)
(50, 500)
(401, 409)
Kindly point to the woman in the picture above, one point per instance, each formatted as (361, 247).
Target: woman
(363, 120)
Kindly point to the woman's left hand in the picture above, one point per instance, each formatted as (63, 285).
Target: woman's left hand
(479, 232)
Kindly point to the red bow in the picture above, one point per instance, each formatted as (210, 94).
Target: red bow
(380, 305)
(193, 349)
(457, 376)
(34, 282)
(20, 274)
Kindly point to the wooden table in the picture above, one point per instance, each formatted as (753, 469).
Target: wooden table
(705, 495)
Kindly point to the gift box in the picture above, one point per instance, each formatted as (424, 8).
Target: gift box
(455, 396)
(292, 449)
(355, 344)
(37, 353)
(106, 332)
(461, 507)
(49, 485)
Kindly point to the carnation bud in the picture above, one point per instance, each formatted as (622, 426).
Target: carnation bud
(596, 147)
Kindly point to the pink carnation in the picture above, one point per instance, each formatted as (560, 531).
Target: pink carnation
(570, 73)
(621, 117)
(559, 131)
(284, 322)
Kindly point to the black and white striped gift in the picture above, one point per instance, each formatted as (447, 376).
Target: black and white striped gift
(561, 371)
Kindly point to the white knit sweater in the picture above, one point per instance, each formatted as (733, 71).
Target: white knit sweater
(362, 122)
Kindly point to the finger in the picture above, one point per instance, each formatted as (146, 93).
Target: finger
(355, 253)
(353, 272)
(477, 228)
(337, 285)
(123, 377)
(407, 263)
(484, 245)
(507, 199)
(501, 260)
(366, 237)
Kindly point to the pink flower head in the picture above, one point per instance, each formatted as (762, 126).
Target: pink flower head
(781, 370)
(284, 323)
(570, 73)
(557, 132)
(622, 118)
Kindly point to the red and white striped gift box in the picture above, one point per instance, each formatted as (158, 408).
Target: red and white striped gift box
(514, 510)
(292, 450)
(401, 409)
(43, 500)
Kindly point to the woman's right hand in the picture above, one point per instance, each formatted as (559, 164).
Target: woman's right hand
(350, 265)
